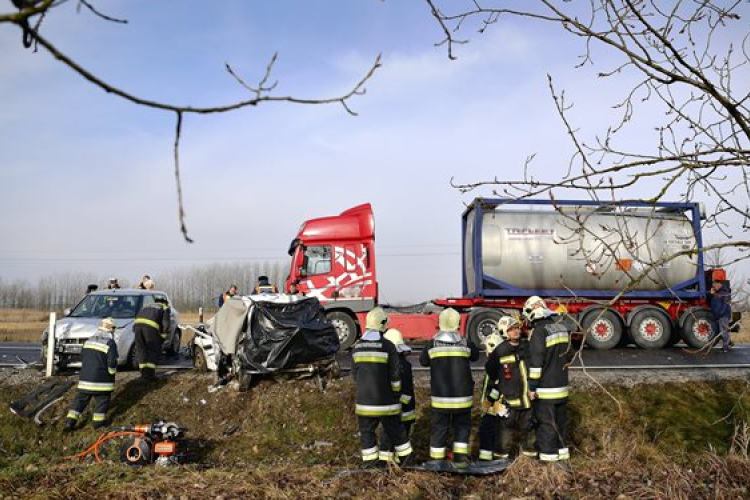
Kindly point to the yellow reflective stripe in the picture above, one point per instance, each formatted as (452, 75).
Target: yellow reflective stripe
(99, 417)
(557, 338)
(396, 386)
(448, 354)
(449, 403)
(370, 359)
(96, 386)
(96, 347)
(73, 415)
(535, 373)
(370, 453)
(148, 322)
(112, 371)
(437, 453)
(405, 398)
(403, 449)
(146, 365)
(552, 392)
(408, 416)
(513, 402)
(524, 384)
(506, 360)
(377, 410)
(460, 447)
(485, 455)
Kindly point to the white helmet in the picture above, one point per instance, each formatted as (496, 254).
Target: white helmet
(506, 323)
(377, 319)
(534, 308)
(397, 339)
(449, 320)
(491, 342)
(108, 325)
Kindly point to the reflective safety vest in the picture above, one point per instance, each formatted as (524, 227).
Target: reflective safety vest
(98, 364)
(266, 289)
(550, 353)
(449, 357)
(155, 315)
(508, 375)
(376, 369)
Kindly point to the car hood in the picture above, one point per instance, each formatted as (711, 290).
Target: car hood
(76, 328)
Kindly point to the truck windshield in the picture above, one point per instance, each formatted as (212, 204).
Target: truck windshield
(104, 306)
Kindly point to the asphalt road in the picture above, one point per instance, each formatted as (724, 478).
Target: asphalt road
(18, 354)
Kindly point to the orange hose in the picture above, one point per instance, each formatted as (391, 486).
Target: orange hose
(100, 441)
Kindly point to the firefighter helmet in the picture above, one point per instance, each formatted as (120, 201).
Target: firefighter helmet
(506, 323)
(377, 319)
(108, 324)
(534, 308)
(397, 339)
(449, 320)
(491, 342)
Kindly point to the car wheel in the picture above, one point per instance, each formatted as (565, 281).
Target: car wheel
(199, 359)
(345, 327)
(173, 348)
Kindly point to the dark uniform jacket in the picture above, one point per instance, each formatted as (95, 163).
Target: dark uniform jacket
(508, 375)
(408, 403)
(449, 357)
(376, 370)
(155, 315)
(550, 353)
(98, 364)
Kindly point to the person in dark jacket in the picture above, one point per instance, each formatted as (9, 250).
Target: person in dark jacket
(549, 356)
(721, 307)
(377, 373)
(231, 292)
(507, 367)
(492, 407)
(264, 286)
(151, 327)
(449, 356)
(408, 402)
(97, 376)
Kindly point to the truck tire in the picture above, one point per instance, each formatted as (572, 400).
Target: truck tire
(651, 328)
(481, 324)
(698, 327)
(602, 328)
(345, 327)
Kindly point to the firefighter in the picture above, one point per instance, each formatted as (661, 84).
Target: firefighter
(264, 286)
(492, 406)
(97, 376)
(376, 370)
(449, 356)
(508, 367)
(151, 327)
(549, 356)
(408, 403)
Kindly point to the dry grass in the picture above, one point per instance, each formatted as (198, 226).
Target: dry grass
(293, 442)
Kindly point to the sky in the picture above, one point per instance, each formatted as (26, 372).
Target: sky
(88, 179)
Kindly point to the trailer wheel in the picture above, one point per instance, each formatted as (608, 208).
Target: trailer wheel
(698, 328)
(651, 328)
(602, 329)
(345, 327)
(482, 324)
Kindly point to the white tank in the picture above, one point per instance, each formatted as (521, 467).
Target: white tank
(582, 249)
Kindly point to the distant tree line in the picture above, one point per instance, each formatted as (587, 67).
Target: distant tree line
(188, 287)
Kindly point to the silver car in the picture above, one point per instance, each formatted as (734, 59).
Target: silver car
(83, 320)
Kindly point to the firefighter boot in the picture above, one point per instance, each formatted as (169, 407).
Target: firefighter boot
(460, 460)
(70, 425)
(148, 374)
(408, 461)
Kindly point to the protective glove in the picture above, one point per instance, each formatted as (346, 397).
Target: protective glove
(502, 411)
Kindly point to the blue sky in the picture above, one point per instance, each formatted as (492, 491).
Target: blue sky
(87, 175)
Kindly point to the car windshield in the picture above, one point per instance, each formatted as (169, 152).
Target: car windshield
(104, 306)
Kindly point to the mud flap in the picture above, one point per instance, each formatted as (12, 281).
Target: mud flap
(41, 398)
(472, 469)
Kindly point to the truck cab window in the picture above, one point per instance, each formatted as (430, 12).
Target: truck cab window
(317, 260)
